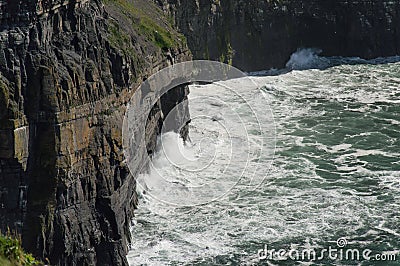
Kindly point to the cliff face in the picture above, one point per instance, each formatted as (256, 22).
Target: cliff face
(68, 68)
(260, 34)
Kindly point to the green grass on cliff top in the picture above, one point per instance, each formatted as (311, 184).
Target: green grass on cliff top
(12, 254)
(148, 20)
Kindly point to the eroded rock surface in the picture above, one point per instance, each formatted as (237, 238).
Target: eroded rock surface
(68, 68)
(260, 34)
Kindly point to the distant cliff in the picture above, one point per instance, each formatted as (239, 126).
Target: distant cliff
(67, 70)
(260, 34)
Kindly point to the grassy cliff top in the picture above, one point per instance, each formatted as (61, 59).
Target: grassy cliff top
(12, 254)
(146, 19)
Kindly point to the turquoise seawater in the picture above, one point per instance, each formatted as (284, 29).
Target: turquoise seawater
(320, 163)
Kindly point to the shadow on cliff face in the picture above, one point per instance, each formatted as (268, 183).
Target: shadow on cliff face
(257, 35)
(66, 73)
(166, 104)
(310, 58)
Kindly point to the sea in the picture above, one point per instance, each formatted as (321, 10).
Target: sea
(293, 166)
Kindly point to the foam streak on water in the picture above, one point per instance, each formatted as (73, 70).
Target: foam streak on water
(336, 171)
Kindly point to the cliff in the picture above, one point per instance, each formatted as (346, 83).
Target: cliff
(68, 68)
(260, 34)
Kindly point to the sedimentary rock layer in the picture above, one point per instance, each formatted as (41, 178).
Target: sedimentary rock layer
(260, 34)
(68, 68)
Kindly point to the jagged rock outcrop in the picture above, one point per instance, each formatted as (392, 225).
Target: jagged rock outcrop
(260, 34)
(68, 68)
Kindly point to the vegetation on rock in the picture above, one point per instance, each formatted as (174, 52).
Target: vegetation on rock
(156, 28)
(12, 254)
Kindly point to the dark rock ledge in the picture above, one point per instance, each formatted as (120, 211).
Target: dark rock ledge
(67, 70)
(260, 34)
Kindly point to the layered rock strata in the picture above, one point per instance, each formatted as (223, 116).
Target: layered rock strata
(260, 34)
(68, 69)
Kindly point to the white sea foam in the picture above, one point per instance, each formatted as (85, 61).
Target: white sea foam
(306, 59)
(334, 173)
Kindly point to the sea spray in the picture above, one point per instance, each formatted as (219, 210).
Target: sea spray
(335, 174)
